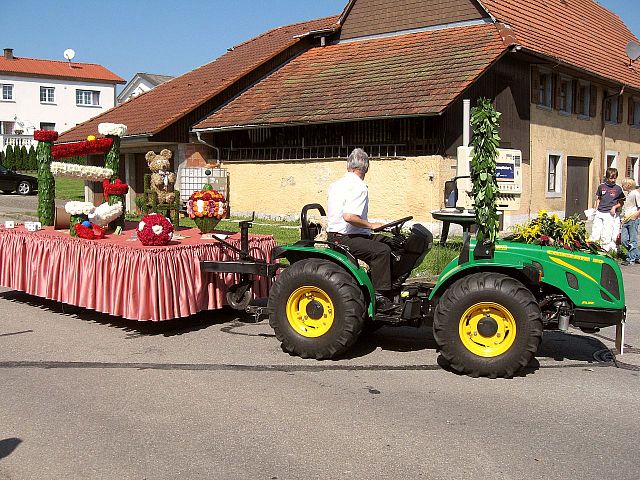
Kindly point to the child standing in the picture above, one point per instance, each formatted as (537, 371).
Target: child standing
(609, 198)
(631, 212)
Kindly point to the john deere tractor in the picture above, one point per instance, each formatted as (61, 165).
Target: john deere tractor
(488, 308)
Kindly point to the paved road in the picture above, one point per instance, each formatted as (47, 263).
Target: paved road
(20, 208)
(88, 396)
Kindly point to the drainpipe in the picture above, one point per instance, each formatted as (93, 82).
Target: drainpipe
(208, 145)
(466, 122)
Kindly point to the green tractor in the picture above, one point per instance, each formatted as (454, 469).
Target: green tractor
(488, 308)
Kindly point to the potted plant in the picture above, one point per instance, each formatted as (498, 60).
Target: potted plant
(207, 207)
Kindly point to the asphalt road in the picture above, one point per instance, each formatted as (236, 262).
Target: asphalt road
(88, 396)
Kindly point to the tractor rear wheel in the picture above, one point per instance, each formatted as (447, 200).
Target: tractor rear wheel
(318, 309)
(487, 324)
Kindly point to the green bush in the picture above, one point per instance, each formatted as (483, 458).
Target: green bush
(9, 158)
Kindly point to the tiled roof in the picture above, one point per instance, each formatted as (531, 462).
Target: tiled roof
(153, 111)
(581, 33)
(414, 74)
(57, 69)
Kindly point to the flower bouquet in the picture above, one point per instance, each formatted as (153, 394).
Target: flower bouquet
(207, 207)
(155, 230)
(550, 230)
(79, 212)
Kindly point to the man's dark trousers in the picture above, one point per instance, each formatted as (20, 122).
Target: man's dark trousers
(375, 251)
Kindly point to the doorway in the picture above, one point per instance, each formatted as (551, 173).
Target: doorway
(578, 190)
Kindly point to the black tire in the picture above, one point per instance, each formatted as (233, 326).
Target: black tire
(24, 188)
(487, 296)
(339, 297)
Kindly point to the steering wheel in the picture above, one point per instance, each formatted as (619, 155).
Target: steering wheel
(390, 225)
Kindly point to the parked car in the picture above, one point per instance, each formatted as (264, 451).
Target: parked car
(11, 181)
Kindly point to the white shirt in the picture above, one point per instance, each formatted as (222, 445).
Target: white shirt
(347, 195)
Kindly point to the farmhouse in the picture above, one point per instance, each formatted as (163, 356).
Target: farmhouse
(282, 111)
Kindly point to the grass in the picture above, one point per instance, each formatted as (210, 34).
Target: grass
(69, 189)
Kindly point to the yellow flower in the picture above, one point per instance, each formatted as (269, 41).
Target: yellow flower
(542, 213)
(555, 218)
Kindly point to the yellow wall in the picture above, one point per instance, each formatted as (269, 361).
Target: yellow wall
(572, 136)
(397, 187)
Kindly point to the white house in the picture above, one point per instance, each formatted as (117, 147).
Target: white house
(50, 95)
(141, 83)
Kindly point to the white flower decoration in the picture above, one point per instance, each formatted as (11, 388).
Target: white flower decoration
(85, 172)
(113, 129)
(79, 208)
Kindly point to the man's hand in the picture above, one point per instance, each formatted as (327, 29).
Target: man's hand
(613, 210)
(373, 226)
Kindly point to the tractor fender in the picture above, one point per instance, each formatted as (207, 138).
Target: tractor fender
(295, 253)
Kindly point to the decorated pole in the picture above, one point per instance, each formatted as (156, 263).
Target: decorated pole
(112, 161)
(485, 121)
(46, 182)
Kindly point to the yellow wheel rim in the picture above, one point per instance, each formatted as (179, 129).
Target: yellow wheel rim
(487, 329)
(310, 311)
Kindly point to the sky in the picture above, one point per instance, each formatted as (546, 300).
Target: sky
(166, 37)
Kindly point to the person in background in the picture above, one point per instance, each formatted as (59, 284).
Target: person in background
(631, 214)
(609, 198)
(348, 224)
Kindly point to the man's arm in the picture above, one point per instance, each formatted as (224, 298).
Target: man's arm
(358, 221)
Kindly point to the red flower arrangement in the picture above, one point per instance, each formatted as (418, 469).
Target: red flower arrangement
(78, 149)
(155, 230)
(117, 188)
(45, 135)
(94, 232)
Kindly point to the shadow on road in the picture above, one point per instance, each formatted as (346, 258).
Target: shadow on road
(167, 328)
(7, 446)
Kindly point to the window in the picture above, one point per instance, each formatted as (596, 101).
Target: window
(6, 128)
(87, 97)
(554, 174)
(634, 112)
(545, 89)
(7, 91)
(613, 108)
(565, 95)
(583, 99)
(47, 126)
(631, 169)
(47, 94)
(612, 159)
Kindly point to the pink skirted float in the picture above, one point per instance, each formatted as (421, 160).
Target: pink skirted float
(147, 271)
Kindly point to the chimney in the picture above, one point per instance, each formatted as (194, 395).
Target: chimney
(8, 53)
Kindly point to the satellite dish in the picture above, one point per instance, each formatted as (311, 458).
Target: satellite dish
(633, 51)
(69, 53)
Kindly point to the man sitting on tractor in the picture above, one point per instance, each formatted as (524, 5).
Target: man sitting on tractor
(347, 224)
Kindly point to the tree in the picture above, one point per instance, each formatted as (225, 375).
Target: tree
(2, 158)
(9, 158)
(24, 158)
(33, 160)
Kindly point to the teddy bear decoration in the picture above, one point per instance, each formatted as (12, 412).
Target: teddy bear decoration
(162, 178)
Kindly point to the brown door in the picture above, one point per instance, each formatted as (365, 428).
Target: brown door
(578, 193)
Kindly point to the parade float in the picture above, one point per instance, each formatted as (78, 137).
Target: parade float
(147, 270)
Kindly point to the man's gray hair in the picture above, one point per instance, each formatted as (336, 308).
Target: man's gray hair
(358, 160)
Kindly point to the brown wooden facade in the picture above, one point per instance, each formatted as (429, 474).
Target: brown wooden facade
(372, 17)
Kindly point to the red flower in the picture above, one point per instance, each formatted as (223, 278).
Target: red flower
(155, 230)
(116, 188)
(89, 233)
(78, 149)
(45, 135)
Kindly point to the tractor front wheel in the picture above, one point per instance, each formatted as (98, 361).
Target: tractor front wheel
(318, 309)
(487, 324)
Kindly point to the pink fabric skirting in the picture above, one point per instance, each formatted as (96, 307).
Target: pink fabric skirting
(121, 277)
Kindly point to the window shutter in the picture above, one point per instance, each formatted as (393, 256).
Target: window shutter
(628, 169)
(556, 92)
(620, 108)
(535, 85)
(574, 96)
(631, 104)
(593, 101)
